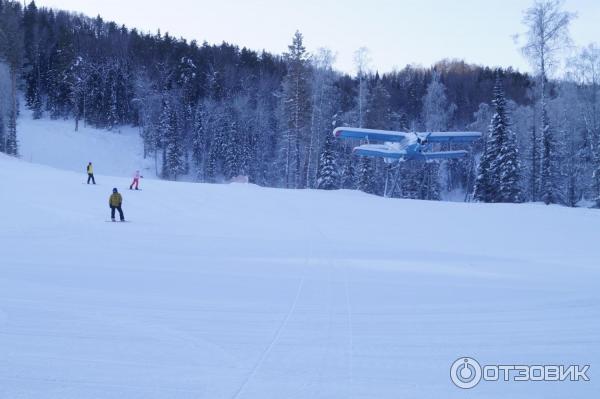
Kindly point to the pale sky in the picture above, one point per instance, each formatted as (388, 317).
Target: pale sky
(397, 32)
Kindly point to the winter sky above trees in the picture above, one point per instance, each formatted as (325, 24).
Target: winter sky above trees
(397, 32)
(211, 112)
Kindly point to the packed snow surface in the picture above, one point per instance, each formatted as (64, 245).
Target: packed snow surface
(236, 291)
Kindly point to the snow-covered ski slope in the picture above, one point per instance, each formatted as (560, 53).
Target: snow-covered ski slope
(56, 143)
(235, 291)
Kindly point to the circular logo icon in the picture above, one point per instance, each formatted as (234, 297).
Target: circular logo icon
(465, 372)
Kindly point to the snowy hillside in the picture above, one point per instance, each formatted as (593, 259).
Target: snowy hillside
(56, 143)
(235, 291)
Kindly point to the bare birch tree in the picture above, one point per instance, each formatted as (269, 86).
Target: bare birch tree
(547, 36)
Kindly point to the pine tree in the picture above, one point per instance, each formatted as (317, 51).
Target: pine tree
(59, 75)
(366, 176)
(378, 114)
(110, 94)
(199, 140)
(175, 163)
(498, 178)
(231, 148)
(549, 171)
(507, 165)
(164, 125)
(218, 145)
(11, 136)
(2, 134)
(484, 184)
(296, 109)
(37, 106)
(246, 141)
(411, 179)
(348, 177)
(328, 175)
(30, 53)
(430, 184)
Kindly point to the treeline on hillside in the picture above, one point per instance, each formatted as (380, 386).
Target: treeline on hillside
(213, 112)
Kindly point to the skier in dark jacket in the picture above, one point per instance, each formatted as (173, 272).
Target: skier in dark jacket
(90, 172)
(115, 202)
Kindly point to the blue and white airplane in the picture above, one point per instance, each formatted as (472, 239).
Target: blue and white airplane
(398, 146)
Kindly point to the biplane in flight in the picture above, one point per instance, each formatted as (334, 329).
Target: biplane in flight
(398, 146)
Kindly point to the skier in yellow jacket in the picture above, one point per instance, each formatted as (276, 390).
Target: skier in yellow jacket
(90, 172)
(115, 202)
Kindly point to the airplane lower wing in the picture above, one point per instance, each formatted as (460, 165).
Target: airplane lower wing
(440, 155)
(369, 134)
(379, 151)
(384, 151)
(452, 137)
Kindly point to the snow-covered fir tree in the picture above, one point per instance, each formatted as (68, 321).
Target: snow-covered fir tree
(430, 185)
(220, 121)
(411, 177)
(199, 141)
(328, 174)
(37, 105)
(348, 175)
(175, 161)
(366, 180)
(2, 133)
(232, 145)
(498, 177)
(549, 173)
(378, 114)
(485, 183)
(12, 146)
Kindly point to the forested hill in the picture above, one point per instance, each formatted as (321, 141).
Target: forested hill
(212, 112)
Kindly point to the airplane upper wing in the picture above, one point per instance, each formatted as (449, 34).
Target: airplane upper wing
(451, 137)
(397, 137)
(370, 134)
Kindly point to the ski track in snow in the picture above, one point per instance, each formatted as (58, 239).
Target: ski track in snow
(348, 304)
(350, 331)
(265, 353)
(284, 323)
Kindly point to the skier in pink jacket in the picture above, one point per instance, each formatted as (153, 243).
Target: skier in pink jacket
(136, 180)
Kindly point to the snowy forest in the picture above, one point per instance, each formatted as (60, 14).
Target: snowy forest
(210, 113)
